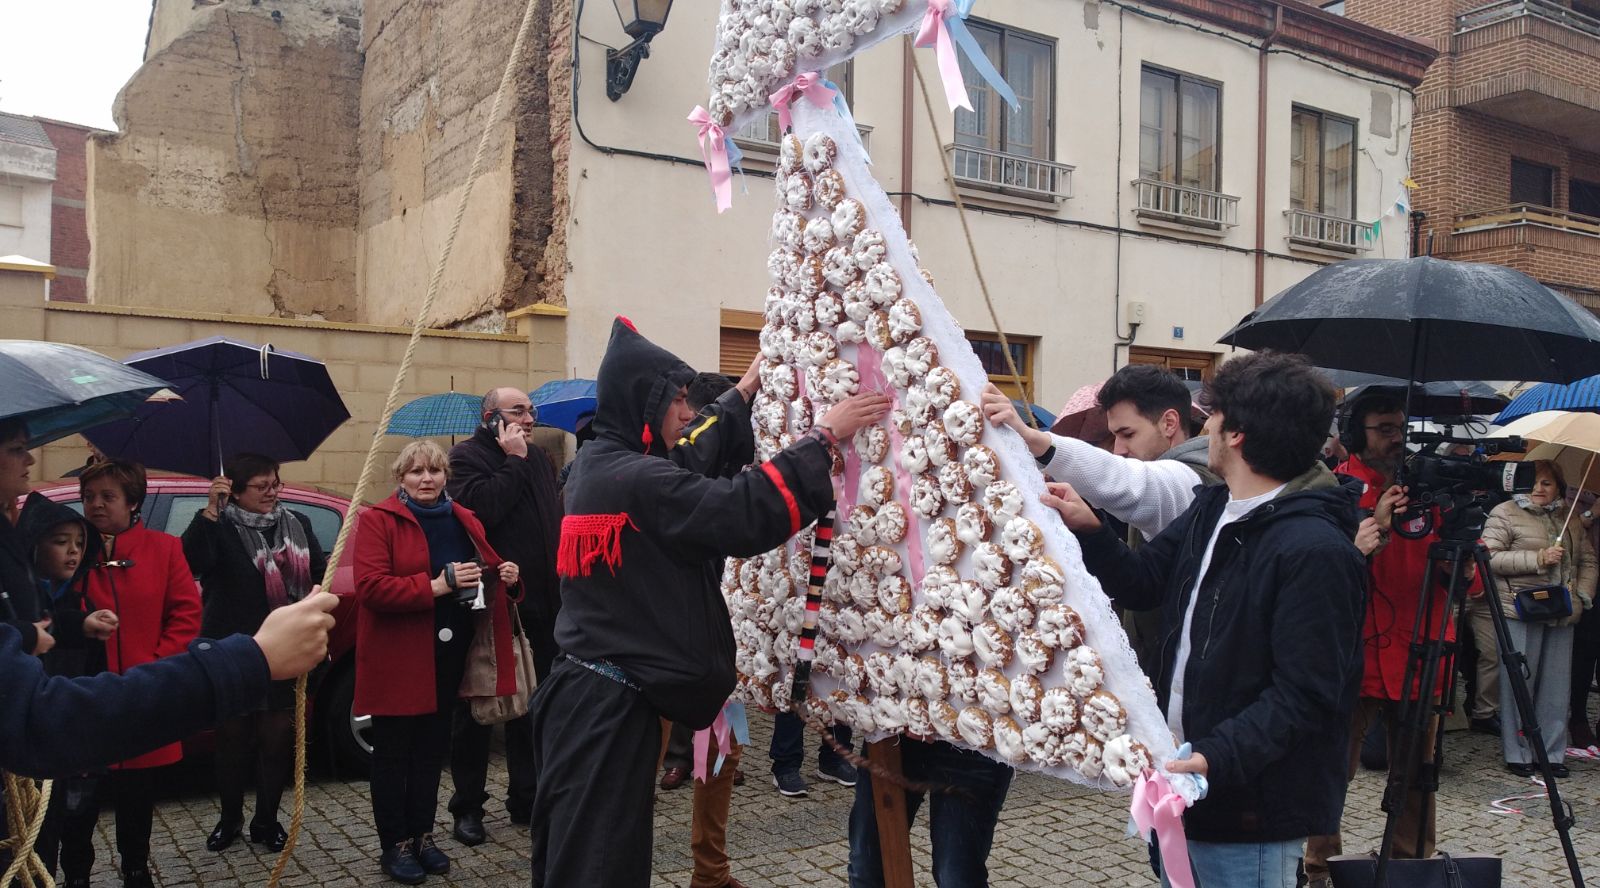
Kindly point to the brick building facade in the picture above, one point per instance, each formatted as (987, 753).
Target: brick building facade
(69, 225)
(1506, 140)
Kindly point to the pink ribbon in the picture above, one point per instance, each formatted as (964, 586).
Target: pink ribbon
(870, 366)
(1156, 806)
(936, 33)
(702, 747)
(714, 150)
(810, 85)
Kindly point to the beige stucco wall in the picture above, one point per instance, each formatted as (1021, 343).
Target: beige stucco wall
(429, 80)
(232, 182)
(362, 361)
(647, 242)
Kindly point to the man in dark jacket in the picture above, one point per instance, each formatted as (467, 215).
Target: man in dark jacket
(643, 628)
(1261, 592)
(511, 486)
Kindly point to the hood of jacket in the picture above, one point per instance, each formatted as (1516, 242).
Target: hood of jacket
(1316, 492)
(1196, 454)
(40, 514)
(637, 381)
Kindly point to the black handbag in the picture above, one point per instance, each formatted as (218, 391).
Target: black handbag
(1441, 871)
(1541, 603)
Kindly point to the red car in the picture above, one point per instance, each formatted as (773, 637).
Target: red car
(173, 501)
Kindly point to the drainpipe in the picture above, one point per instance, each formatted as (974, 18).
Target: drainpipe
(906, 76)
(1261, 155)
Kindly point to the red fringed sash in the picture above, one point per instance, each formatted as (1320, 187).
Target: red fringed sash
(586, 539)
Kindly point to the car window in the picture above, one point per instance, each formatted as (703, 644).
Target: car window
(324, 521)
(182, 510)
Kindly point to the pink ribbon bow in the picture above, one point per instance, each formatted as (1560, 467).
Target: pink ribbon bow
(810, 85)
(936, 33)
(702, 747)
(714, 150)
(1156, 806)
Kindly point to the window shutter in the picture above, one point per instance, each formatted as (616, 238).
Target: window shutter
(739, 348)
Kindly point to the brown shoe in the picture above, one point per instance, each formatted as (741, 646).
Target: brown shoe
(738, 780)
(674, 778)
(735, 883)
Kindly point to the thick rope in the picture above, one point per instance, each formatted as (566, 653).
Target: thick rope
(961, 213)
(370, 465)
(26, 804)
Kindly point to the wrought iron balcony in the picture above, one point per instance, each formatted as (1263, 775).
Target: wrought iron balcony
(1548, 10)
(1010, 173)
(1328, 232)
(1168, 202)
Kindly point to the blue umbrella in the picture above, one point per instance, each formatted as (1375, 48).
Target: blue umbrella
(60, 390)
(1582, 396)
(451, 413)
(238, 397)
(563, 402)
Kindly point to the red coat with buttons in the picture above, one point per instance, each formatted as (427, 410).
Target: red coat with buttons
(157, 606)
(394, 620)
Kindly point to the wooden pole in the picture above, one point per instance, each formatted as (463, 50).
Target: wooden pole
(894, 830)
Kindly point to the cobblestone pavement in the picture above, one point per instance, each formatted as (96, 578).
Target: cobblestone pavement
(1050, 834)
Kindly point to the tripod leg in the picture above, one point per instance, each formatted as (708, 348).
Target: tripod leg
(1516, 673)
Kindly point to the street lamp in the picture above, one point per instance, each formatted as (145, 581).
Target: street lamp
(642, 20)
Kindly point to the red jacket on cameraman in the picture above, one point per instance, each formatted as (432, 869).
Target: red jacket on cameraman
(1393, 594)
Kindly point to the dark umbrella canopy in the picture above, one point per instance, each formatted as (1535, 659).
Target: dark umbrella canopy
(1427, 319)
(60, 390)
(1455, 397)
(237, 397)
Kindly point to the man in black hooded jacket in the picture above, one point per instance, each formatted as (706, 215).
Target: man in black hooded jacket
(643, 628)
(1261, 591)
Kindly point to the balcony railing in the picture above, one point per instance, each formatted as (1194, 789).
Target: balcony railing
(762, 134)
(1549, 10)
(1331, 232)
(1191, 206)
(996, 170)
(1528, 214)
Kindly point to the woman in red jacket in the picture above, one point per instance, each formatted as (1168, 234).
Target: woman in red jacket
(143, 578)
(418, 557)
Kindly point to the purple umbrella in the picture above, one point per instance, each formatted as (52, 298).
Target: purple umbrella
(237, 397)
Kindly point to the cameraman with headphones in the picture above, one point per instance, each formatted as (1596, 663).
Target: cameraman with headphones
(1374, 435)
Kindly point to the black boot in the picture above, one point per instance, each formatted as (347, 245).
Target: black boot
(137, 877)
(434, 862)
(469, 829)
(399, 864)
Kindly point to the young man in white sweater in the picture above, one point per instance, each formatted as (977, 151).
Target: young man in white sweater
(1148, 479)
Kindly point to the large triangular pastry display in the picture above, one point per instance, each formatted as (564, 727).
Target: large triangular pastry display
(956, 605)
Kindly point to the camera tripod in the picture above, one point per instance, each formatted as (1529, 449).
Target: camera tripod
(1458, 548)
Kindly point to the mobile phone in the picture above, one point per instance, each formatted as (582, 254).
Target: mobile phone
(495, 421)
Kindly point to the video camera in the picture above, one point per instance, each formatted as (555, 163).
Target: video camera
(1462, 487)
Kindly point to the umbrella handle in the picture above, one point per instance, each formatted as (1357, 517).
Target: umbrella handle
(266, 351)
(1573, 506)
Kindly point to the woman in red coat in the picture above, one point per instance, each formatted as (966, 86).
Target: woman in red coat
(418, 557)
(142, 577)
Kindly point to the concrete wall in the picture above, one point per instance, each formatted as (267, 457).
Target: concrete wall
(233, 180)
(362, 361)
(647, 242)
(27, 173)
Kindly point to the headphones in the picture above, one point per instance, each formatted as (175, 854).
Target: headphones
(1353, 432)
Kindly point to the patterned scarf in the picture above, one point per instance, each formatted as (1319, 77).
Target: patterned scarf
(276, 543)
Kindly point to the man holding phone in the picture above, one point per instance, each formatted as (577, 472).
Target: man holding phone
(510, 484)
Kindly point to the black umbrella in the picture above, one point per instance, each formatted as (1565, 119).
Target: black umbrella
(1428, 319)
(59, 390)
(1453, 397)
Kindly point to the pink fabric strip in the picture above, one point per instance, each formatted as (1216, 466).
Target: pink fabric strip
(936, 33)
(1156, 807)
(870, 365)
(702, 747)
(714, 150)
(810, 85)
